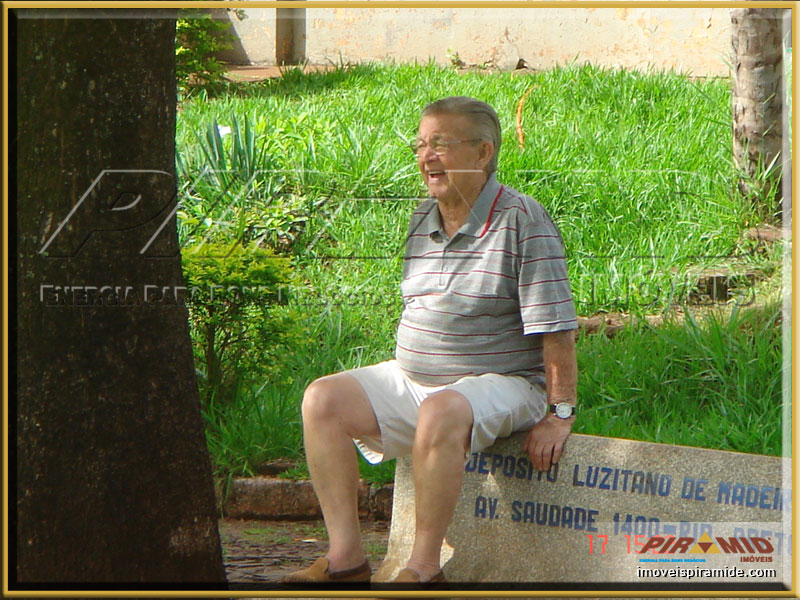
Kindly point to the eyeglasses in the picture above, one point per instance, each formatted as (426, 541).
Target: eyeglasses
(438, 146)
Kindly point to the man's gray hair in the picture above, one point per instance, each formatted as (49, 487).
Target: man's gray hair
(481, 115)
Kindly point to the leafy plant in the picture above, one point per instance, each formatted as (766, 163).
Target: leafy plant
(232, 292)
(260, 422)
(760, 184)
(235, 190)
(198, 39)
(455, 59)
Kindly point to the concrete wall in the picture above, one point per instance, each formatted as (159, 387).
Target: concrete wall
(255, 35)
(691, 40)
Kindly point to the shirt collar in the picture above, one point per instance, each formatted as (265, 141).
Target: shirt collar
(476, 220)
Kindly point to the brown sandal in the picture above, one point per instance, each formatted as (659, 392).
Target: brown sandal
(411, 576)
(320, 572)
(408, 580)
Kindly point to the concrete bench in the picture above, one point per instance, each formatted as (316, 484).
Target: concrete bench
(587, 520)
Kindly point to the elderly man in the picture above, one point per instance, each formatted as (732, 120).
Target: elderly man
(485, 347)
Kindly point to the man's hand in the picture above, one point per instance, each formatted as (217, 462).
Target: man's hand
(545, 441)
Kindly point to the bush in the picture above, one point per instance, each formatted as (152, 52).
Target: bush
(198, 39)
(237, 333)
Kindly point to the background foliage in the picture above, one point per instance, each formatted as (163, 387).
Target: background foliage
(635, 169)
(198, 40)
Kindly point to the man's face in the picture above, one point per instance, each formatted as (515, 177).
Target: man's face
(458, 173)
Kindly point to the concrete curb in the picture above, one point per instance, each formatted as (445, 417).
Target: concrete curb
(271, 498)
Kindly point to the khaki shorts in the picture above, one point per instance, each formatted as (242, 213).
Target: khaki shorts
(501, 405)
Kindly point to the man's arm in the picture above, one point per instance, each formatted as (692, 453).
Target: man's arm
(545, 441)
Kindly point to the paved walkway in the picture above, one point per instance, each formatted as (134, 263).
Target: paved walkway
(246, 73)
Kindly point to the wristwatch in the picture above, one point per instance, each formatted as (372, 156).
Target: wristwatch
(563, 410)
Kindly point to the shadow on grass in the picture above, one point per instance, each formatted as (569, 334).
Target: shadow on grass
(295, 82)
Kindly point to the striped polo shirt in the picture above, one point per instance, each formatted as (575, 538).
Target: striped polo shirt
(473, 303)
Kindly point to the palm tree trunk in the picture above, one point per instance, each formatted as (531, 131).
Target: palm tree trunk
(758, 104)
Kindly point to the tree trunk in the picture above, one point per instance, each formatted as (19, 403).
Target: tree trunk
(113, 479)
(758, 102)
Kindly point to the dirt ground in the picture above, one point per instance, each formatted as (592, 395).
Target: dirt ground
(264, 551)
(261, 552)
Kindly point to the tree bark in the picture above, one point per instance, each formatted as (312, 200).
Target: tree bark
(113, 478)
(757, 101)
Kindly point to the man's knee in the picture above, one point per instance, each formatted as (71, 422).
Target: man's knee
(444, 417)
(338, 401)
(320, 400)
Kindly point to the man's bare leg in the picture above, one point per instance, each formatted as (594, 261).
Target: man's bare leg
(440, 444)
(335, 410)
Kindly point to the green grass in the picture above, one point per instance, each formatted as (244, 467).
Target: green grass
(266, 535)
(714, 383)
(263, 422)
(636, 170)
(375, 550)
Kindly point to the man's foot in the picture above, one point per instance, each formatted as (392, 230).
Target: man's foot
(320, 572)
(412, 576)
(409, 579)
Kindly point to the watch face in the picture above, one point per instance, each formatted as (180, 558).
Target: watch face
(564, 410)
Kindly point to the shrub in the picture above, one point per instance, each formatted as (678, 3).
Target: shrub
(233, 292)
(198, 39)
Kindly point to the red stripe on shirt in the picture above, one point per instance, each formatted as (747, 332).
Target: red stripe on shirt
(482, 297)
(464, 353)
(533, 260)
(546, 303)
(491, 210)
(515, 207)
(447, 312)
(460, 334)
(541, 235)
(448, 273)
(410, 277)
(521, 200)
(543, 281)
(439, 252)
(509, 252)
(458, 294)
(488, 273)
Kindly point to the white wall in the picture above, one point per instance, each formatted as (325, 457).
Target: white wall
(690, 40)
(256, 35)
